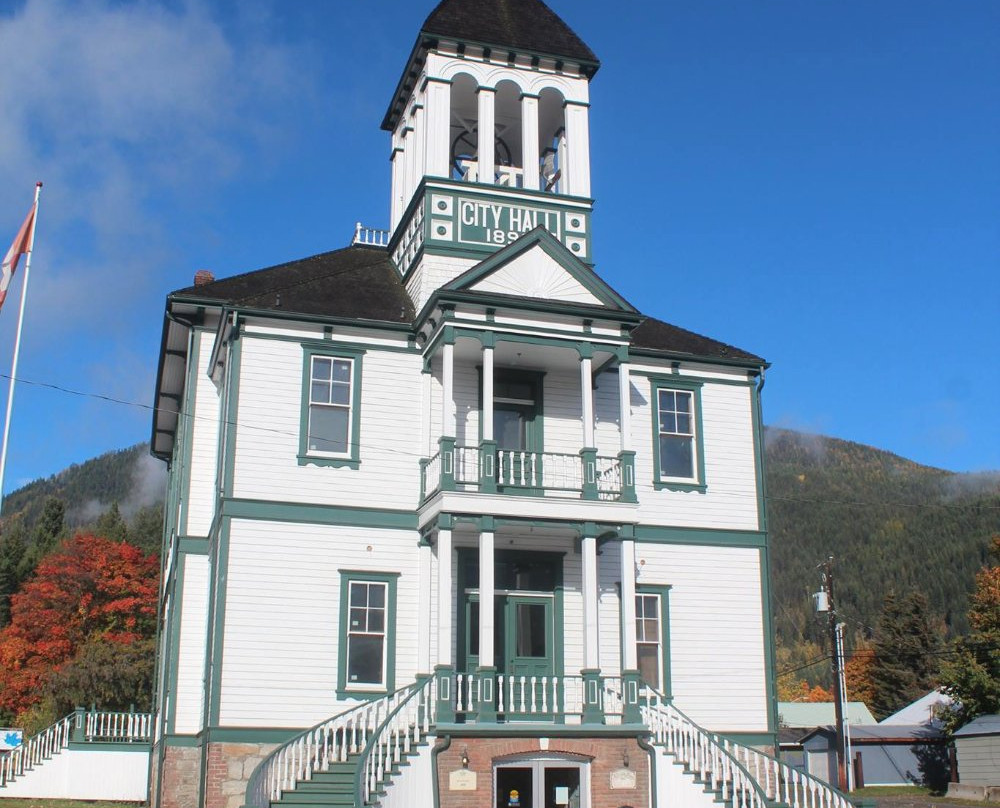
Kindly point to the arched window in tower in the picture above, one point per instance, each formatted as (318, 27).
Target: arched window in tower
(508, 155)
(551, 140)
(464, 128)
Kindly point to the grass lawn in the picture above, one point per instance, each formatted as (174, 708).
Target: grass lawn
(903, 795)
(36, 803)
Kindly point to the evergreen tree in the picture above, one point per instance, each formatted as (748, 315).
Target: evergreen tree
(972, 677)
(110, 524)
(905, 662)
(12, 550)
(50, 530)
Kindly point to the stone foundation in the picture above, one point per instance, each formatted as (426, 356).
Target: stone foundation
(180, 778)
(228, 769)
(606, 755)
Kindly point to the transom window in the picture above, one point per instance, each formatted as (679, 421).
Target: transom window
(366, 627)
(331, 380)
(676, 433)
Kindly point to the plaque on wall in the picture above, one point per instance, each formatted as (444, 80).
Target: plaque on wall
(623, 778)
(462, 780)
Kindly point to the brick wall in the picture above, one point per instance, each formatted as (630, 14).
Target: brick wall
(228, 768)
(179, 779)
(605, 756)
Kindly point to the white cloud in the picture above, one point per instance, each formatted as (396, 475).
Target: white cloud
(124, 109)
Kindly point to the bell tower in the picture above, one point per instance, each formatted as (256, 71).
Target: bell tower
(490, 138)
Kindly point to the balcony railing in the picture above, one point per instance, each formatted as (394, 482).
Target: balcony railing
(488, 469)
(540, 698)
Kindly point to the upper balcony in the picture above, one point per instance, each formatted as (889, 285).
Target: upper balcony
(530, 422)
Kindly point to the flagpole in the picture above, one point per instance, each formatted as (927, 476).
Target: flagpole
(17, 345)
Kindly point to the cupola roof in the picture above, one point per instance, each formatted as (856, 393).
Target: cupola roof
(527, 25)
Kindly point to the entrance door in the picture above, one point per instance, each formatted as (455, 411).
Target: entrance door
(540, 784)
(526, 658)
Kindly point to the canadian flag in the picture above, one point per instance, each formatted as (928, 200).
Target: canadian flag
(22, 245)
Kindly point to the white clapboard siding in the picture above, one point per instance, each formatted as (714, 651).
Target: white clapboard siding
(437, 270)
(562, 410)
(204, 429)
(282, 622)
(467, 404)
(270, 414)
(190, 693)
(730, 499)
(717, 644)
(607, 424)
(609, 607)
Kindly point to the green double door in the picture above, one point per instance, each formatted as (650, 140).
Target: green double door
(523, 650)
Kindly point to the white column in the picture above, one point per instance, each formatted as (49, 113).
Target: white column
(419, 137)
(625, 406)
(591, 654)
(587, 397)
(486, 599)
(448, 426)
(529, 140)
(629, 659)
(397, 205)
(488, 392)
(438, 118)
(578, 144)
(487, 135)
(444, 596)
(424, 609)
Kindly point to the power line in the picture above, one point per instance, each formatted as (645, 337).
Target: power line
(417, 455)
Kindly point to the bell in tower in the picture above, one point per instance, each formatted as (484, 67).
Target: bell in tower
(490, 137)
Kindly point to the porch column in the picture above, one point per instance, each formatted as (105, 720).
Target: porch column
(488, 447)
(529, 141)
(424, 615)
(630, 664)
(445, 668)
(446, 443)
(588, 454)
(487, 667)
(487, 135)
(626, 456)
(591, 652)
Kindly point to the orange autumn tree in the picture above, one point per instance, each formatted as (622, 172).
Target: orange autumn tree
(90, 593)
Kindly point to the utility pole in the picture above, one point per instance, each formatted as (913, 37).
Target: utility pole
(836, 659)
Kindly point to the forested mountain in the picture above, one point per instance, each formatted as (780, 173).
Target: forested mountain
(891, 525)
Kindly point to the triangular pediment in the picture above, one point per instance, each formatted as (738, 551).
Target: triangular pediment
(538, 266)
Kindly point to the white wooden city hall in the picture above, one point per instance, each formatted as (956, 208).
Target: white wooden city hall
(450, 522)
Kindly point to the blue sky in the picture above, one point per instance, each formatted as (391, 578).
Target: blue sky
(816, 182)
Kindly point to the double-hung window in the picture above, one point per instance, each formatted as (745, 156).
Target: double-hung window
(367, 632)
(678, 446)
(330, 401)
(652, 637)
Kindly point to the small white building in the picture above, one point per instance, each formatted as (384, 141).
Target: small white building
(977, 749)
(448, 498)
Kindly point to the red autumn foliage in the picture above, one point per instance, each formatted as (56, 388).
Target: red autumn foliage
(90, 587)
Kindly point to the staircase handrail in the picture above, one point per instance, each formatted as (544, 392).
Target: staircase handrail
(385, 740)
(705, 754)
(786, 784)
(313, 750)
(54, 738)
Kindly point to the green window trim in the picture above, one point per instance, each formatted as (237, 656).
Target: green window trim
(663, 593)
(350, 458)
(697, 482)
(347, 577)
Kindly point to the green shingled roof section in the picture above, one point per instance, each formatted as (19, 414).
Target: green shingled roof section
(354, 282)
(816, 714)
(362, 283)
(656, 335)
(528, 25)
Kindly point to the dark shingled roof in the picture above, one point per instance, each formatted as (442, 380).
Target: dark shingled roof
(660, 336)
(355, 282)
(516, 24)
(362, 283)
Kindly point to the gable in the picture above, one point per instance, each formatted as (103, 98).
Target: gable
(536, 274)
(538, 266)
